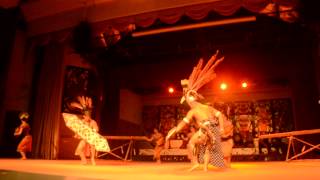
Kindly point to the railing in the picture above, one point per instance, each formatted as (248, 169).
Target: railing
(291, 136)
(128, 141)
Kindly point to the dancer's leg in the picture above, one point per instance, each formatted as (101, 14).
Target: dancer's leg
(93, 154)
(192, 149)
(206, 159)
(157, 153)
(23, 155)
(80, 151)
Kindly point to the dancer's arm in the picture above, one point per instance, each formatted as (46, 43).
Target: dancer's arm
(94, 125)
(151, 138)
(18, 130)
(186, 120)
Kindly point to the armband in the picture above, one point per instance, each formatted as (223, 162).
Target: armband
(186, 120)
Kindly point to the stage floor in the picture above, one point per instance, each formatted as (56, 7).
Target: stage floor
(13, 169)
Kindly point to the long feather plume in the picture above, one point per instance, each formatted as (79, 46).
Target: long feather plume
(199, 77)
(195, 73)
(76, 105)
(83, 103)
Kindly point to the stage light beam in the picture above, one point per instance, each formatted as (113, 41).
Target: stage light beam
(171, 90)
(223, 86)
(244, 84)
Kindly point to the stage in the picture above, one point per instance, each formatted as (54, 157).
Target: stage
(115, 169)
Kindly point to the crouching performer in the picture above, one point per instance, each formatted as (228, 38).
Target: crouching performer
(208, 119)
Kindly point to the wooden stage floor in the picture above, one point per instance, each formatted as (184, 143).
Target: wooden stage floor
(13, 169)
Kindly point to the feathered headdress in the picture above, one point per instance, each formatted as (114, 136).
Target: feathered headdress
(199, 77)
(24, 115)
(84, 104)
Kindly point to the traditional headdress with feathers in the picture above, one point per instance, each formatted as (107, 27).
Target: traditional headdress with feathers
(24, 115)
(84, 103)
(199, 77)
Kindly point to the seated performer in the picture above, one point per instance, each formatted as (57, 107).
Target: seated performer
(84, 149)
(208, 119)
(25, 144)
(158, 139)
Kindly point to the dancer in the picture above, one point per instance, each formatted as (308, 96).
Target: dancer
(227, 139)
(158, 140)
(25, 144)
(84, 149)
(208, 119)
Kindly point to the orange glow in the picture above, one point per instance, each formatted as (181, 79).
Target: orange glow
(244, 85)
(171, 90)
(223, 86)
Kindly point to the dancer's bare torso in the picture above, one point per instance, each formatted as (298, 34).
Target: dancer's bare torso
(201, 113)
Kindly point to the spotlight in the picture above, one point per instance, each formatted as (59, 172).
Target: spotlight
(223, 86)
(171, 90)
(244, 84)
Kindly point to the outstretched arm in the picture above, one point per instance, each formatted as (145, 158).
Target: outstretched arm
(151, 138)
(180, 126)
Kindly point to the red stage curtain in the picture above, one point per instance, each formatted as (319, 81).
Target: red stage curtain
(173, 15)
(47, 113)
(196, 12)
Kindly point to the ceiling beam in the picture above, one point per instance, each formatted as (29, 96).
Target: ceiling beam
(195, 26)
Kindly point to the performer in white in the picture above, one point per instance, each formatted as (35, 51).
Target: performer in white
(208, 119)
(85, 149)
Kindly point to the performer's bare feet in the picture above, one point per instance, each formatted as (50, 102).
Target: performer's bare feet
(205, 168)
(194, 167)
(93, 162)
(23, 155)
(83, 162)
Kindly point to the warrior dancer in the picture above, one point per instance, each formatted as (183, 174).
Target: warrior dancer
(84, 149)
(25, 144)
(208, 119)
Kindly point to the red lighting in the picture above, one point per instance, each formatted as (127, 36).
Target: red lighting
(244, 85)
(171, 90)
(223, 86)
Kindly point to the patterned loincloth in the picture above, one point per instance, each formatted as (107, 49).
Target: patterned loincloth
(216, 154)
